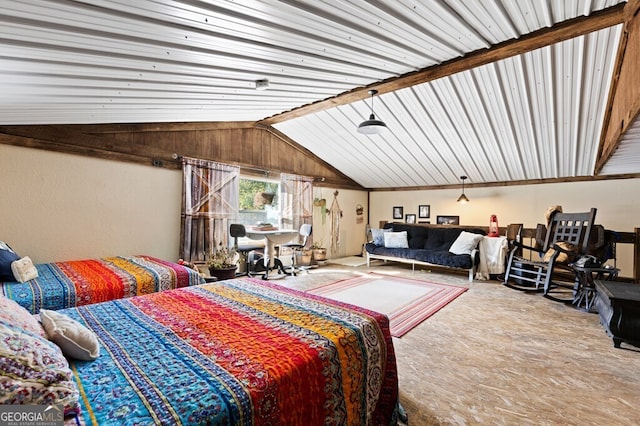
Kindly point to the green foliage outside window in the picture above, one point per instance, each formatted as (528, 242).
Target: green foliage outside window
(248, 190)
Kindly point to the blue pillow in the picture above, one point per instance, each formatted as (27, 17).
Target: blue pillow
(378, 236)
(7, 257)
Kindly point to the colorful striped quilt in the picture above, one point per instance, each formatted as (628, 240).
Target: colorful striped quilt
(236, 352)
(81, 282)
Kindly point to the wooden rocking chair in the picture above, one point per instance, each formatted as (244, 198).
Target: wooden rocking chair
(566, 239)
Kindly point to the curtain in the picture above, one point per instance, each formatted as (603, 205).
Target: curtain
(209, 205)
(296, 201)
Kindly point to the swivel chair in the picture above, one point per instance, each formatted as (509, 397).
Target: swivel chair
(304, 232)
(237, 230)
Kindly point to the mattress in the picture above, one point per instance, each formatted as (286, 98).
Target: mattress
(74, 283)
(236, 352)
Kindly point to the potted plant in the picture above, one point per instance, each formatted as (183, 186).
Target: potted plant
(223, 262)
(319, 252)
(319, 202)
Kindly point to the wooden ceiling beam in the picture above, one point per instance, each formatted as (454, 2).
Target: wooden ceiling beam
(161, 127)
(544, 37)
(623, 103)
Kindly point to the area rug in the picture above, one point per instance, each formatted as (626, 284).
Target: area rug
(350, 261)
(407, 302)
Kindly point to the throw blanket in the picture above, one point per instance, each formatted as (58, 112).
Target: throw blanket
(237, 352)
(493, 253)
(81, 282)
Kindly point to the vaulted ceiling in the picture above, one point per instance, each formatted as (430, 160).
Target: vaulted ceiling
(498, 90)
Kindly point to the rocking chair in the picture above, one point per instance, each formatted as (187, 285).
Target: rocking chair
(566, 239)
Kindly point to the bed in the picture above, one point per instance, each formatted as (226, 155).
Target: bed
(236, 352)
(74, 283)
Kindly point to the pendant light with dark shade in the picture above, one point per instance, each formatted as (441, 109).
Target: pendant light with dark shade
(372, 126)
(462, 199)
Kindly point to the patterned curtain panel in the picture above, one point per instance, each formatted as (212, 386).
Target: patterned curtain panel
(209, 205)
(296, 201)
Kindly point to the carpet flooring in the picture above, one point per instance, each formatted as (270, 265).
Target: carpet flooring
(407, 302)
(498, 356)
(350, 261)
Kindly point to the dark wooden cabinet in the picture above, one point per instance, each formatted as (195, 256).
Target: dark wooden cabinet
(618, 305)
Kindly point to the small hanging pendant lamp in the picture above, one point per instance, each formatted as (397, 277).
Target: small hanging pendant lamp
(372, 126)
(462, 199)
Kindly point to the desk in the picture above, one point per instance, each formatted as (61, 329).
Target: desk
(584, 289)
(273, 237)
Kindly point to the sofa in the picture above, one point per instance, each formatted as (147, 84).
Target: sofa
(432, 245)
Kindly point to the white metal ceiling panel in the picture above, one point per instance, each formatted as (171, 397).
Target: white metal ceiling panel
(534, 116)
(626, 159)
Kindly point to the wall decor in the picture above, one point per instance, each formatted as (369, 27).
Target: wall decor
(410, 218)
(398, 212)
(359, 213)
(448, 220)
(424, 211)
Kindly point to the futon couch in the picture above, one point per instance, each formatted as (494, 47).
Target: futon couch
(431, 245)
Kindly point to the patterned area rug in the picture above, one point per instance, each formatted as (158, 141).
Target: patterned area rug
(406, 302)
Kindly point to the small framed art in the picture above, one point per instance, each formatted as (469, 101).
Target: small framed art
(410, 218)
(424, 211)
(448, 220)
(398, 212)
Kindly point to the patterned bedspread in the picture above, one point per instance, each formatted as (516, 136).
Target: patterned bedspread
(237, 352)
(81, 282)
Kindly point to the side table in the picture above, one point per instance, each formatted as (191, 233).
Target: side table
(618, 305)
(584, 289)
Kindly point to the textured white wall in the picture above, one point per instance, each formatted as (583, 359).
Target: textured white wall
(56, 206)
(352, 234)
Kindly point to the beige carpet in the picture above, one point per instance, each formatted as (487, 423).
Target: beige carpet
(406, 302)
(349, 261)
(498, 356)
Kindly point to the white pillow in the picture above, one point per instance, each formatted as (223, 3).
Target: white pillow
(465, 243)
(23, 269)
(75, 340)
(396, 239)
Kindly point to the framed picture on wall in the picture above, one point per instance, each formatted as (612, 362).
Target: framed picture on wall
(398, 212)
(424, 211)
(410, 218)
(448, 220)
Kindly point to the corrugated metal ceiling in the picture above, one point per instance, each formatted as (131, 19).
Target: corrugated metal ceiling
(533, 116)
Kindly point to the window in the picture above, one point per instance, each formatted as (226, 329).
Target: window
(259, 201)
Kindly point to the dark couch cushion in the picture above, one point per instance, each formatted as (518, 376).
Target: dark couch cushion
(428, 244)
(441, 239)
(444, 258)
(416, 235)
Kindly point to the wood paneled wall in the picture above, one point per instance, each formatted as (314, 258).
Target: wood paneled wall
(258, 150)
(623, 104)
